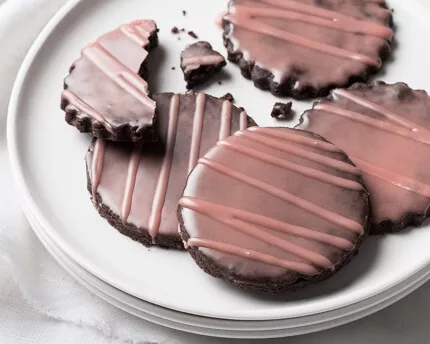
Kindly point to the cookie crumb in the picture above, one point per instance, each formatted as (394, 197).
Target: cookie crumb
(282, 111)
(219, 82)
(184, 13)
(174, 30)
(173, 68)
(228, 96)
(192, 34)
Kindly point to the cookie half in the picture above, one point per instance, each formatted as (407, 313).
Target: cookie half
(136, 187)
(106, 93)
(199, 62)
(273, 209)
(385, 129)
(305, 48)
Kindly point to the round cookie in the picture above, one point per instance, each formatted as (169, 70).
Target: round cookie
(305, 48)
(105, 93)
(137, 186)
(385, 130)
(273, 209)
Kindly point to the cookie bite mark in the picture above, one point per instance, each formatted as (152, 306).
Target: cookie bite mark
(385, 129)
(105, 92)
(119, 73)
(266, 219)
(270, 39)
(136, 186)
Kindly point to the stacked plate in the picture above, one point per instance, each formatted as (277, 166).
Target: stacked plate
(166, 287)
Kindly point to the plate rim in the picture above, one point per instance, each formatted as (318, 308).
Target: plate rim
(421, 275)
(26, 196)
(233, 333)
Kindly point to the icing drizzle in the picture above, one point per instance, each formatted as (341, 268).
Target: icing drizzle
(206, 60)
(130, 182)
(247, 18)
(285, 196)
(235, 250)
(262, 226)
(163, 180)
(197, 131)
(224, 129)
(395, 134)
(162, 174)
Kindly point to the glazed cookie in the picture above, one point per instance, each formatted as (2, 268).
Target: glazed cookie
(199, 62)
(273, 209)
(385, 129)
(136, 187)
(305, 48)
(106, 93)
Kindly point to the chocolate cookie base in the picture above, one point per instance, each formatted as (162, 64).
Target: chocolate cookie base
(289, 282)
(125, 132)
(264, 79)
(130, 230)
(202, 74)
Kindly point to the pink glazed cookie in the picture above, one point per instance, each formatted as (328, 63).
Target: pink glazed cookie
(385, 130)
(304, 48)
(273, 209)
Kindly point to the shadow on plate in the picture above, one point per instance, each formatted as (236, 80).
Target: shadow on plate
(222, 77)
(155, 62)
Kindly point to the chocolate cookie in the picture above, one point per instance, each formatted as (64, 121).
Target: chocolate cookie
(385, 129)
(136, 187)
(305, 48)
(105, 93)
(272, 209)
(200, 62)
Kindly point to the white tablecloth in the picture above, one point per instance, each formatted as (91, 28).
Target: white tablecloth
(40, 303)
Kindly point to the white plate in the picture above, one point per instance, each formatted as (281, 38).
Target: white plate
(208, 326)
(47, 161)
